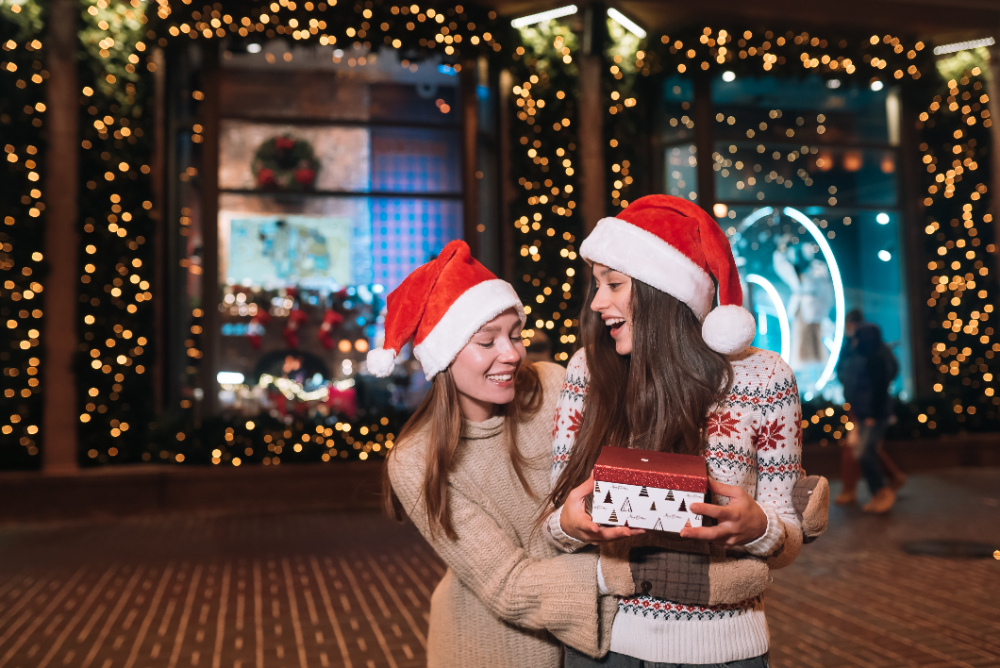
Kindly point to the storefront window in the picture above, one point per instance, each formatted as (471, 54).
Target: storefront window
(337, 177)
(806, 187)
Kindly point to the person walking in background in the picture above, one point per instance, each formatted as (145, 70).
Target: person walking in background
(866, 369)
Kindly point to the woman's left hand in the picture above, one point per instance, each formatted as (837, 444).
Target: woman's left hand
(741, 521)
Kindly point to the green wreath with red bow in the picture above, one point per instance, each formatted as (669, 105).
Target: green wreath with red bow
(285, 163)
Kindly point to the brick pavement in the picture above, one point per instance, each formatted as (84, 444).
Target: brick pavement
(353, 589)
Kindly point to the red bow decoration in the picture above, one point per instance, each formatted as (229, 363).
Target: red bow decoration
(343, 402)
(295, 319)
(331, 320)
(256, 329)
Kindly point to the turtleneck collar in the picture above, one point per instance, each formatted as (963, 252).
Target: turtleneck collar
(481, 430)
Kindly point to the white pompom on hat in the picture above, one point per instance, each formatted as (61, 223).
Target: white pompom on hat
(672, 245)
(441, 305)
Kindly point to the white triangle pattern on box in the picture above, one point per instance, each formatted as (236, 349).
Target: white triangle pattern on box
(660, 516)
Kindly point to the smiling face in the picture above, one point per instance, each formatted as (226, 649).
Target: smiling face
(613, 301)
(484, 371)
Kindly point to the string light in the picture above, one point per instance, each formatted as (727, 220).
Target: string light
(22, 119)
(545, 212)
(116, 203)
(959, 228)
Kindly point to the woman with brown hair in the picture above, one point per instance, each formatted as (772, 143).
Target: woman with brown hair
(471, 470)
(661, 369)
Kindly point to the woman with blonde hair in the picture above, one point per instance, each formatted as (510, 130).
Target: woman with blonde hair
(471, 470)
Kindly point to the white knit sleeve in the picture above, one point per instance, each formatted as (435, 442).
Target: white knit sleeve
(779, 462)
(569, 412)
(569, 415)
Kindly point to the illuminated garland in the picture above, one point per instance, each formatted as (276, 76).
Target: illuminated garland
(22, 207)
(445, 29)
(544, 145)
(955, 142)
(116, 255)
(116, 198)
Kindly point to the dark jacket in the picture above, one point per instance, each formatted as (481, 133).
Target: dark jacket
(866, 369)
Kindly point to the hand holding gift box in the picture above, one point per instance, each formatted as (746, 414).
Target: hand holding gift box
(738, 522)
(642, 489)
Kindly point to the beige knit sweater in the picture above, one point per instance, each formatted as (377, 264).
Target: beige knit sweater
(506, 599)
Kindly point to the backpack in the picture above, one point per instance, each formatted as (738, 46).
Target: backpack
(889, 361)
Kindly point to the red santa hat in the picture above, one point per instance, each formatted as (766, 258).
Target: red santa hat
(441, 305)
(674, 246)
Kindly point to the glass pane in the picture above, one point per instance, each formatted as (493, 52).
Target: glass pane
(273, 242)
(802, 110)
(406, 233)
(682, 172)
(678, 122)
(804, 175)
(803, 269)
(342, 154)
(415, 160)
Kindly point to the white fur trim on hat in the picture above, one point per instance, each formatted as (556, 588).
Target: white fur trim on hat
(729, 329)
(473, 309)
(642, 255)
(381, 362)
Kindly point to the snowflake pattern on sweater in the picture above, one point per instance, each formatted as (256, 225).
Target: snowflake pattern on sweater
(753, 439)
(647, 606)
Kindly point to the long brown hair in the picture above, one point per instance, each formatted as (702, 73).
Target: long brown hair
(439, 413)
(658, 398)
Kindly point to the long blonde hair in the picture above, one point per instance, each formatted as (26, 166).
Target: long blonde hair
(440, 409)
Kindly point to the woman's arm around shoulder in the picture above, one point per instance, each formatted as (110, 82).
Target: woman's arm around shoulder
(559, 594)
(552, 376)
(569, 411)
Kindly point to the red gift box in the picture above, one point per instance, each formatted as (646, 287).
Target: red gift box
(648, 490)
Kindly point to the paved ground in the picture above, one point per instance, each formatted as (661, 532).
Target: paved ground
(317, 590)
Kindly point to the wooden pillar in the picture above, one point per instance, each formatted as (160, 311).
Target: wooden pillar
(209, 179)
(158, 215)
(993, 90)
(590, 135)
(913, 240)
(506, 178)
(470, 136)
(704, 140)
(62, 243)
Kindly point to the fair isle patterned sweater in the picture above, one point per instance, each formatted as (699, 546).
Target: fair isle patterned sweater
(754, 440)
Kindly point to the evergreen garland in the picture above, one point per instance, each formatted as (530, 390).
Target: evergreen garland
(543, 138)
(115, 69)
(22, 216)
(116, 332)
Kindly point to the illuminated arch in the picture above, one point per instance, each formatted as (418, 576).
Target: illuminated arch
(838, 290)
(779, 306)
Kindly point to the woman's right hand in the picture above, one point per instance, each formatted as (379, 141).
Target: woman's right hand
(577, 522)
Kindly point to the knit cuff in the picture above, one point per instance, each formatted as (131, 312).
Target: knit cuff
(602, 586)
(774, 535)
(559, 538)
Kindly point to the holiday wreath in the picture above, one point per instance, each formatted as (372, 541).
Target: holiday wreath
(285, 163)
